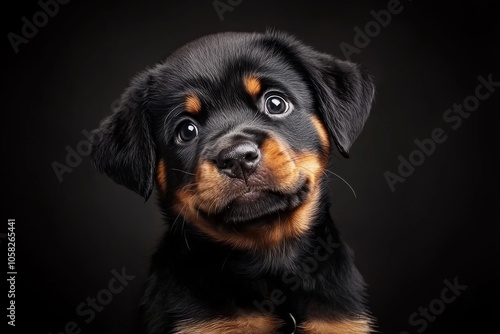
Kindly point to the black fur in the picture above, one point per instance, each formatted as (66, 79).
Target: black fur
(194, 277)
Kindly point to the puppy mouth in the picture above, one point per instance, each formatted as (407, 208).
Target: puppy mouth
(257, 206)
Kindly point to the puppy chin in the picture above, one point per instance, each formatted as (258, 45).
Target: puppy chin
(257, 207)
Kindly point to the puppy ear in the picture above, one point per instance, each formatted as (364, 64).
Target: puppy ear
(344, 95)
(123, 147)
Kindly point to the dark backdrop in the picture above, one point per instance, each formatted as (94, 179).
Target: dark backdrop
(440, 224)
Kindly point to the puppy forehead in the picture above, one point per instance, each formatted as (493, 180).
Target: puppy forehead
(224, 61)
(209, 56)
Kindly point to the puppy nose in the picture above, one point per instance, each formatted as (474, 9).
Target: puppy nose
(239, 160)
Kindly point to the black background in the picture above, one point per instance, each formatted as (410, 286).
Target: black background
(441, 223)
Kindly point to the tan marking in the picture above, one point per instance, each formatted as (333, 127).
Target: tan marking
(286, 169)
(192, 104)
(161, 175)
(322, 133)
(340, 326)
(252, 324)
(279, 160)
(252, 85)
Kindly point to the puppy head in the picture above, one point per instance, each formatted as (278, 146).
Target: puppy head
(235, 130)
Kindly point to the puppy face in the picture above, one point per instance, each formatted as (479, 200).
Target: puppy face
(236, 130)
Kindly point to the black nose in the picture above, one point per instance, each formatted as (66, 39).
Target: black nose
(239, 160)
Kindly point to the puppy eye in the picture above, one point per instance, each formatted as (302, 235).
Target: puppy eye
(186, 132)
(276, 105)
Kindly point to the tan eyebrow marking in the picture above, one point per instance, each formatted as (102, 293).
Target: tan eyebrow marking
(192, 104)
(252, 85)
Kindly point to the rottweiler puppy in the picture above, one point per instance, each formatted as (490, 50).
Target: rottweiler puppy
(235, 131)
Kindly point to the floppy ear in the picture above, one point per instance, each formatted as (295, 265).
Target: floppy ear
(344, 95)
(123, 147)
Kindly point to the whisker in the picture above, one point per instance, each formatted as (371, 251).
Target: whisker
(213, 203)
(176, 218)
(182, 171)
(225, 260)
(181, 211)
(352, 189)
(198, 209)
(185, 236)
(190, 185)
